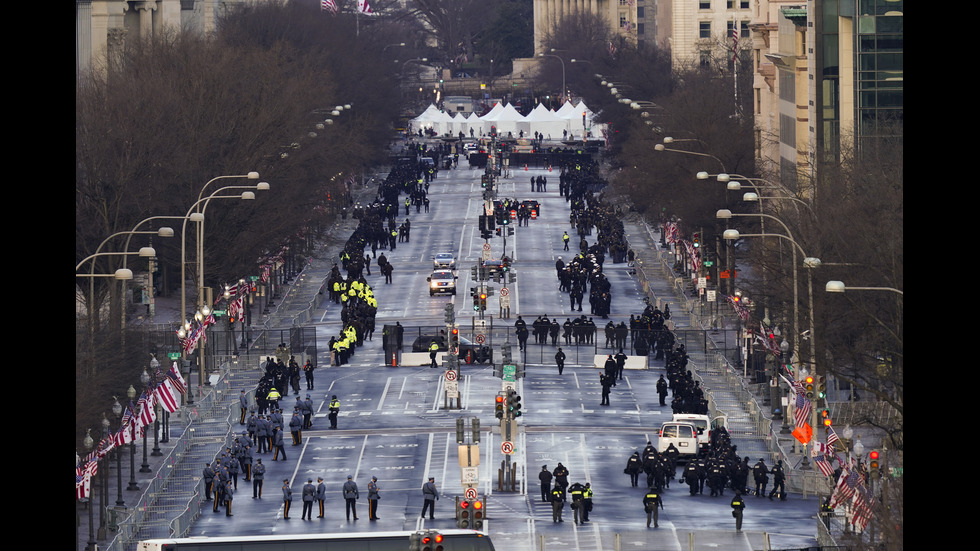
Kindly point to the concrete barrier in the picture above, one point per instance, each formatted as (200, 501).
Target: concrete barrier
(632, 362)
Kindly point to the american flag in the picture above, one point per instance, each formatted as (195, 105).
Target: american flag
(734, 41)
(177, 379)
(125, 433)
(328, 5)
(831, 440)
(824, 466)
(862, 508)
(846, 486)
(81, 483)
(363, 7)
(803, 408)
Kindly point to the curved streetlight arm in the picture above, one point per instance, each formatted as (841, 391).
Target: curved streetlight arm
(562, 71)
(660, 147)
(839, 287)
(251, 176)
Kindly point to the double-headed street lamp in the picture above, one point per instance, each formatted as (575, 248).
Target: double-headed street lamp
(196, 214)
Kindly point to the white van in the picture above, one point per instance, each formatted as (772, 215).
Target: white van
(682, 435)
(703, 424)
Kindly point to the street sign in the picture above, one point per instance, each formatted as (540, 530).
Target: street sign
(507, 448)
(711, 296)
(451, 375)
(452, 388)
(504, 291)
(470, 493)
(509, 372)
(504, 301)
(486, 254)
(486, 246)
(481, 338)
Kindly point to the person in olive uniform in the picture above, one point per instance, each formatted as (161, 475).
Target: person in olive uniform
(652, 503)
(738, 504)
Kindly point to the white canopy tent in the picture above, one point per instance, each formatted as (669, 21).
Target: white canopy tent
(543, 120)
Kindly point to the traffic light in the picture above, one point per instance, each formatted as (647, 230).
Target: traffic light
(463, 514)
(697, 240)
(483, 301)
(825, 415)
(477, 507)
(513, 404)
(809, 387)
(510, 231)
(873, 463)
(431, 541)
(415, 542)
(498, 232)
(499, 407)
(460, 434)
(476, 302)
(450, 314)
(483, 222)
(454, 340)
(490, 222)
(821, 387)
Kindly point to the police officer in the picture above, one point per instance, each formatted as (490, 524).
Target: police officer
(662, 390)
(296, 427)
(309, 494)
(633, 467)
(557, 503)
(560, 360)
(278, 444)
(373, 497)
(229, 496)
(273, 398)
(258, 477)
(430, 495)
(287, 498)
(433, 348)
(587, 501)
(761, 475)
(576, 490)
(778, 481)
(652, 503)
(334, 410)
(545, 477)
(738, 504)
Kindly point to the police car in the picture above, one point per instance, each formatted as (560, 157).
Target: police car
(444, 261)
(442, 281)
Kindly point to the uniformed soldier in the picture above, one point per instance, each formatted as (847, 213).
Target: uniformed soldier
(430, 495)
(321, 494)
(373, 497)
(652, 503)
(309, 494)
(208, 477)
(350, 496)
(229, 496)
(258, 477)
(738, 504)
(287, 498)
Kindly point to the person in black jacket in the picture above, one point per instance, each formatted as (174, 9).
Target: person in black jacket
(545, 477)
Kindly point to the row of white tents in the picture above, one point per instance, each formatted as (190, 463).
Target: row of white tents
(567, 122)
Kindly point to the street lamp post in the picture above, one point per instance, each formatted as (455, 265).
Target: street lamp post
(92, 544)
(561, 97)
(196, 214)
(839, 287)
(117, 411)
(133, 486)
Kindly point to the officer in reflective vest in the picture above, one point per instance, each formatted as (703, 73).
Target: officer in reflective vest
(738, 504)
(273, 398)
(334, 410)
(652, 503)
(586, 501)
(433, 348)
